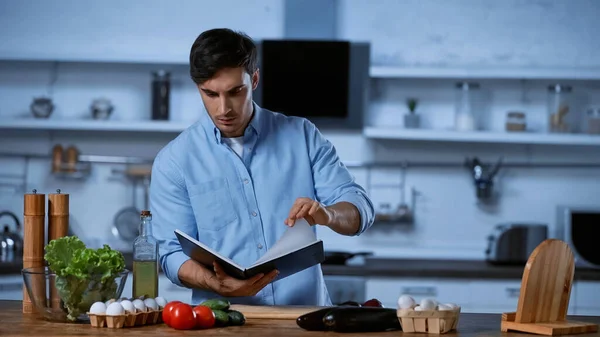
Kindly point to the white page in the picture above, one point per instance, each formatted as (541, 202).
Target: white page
(298, 236)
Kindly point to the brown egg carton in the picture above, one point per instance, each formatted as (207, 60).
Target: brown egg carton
(126, 321)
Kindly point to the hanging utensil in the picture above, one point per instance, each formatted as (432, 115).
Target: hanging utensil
(126, 221)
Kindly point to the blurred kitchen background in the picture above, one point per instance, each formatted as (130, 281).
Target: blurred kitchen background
(474, 126)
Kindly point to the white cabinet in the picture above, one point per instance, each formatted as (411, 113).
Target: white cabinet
(587, 298)
(387, 290)
(499, 296)
(11, 287)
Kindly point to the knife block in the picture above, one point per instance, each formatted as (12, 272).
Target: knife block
(545, 294)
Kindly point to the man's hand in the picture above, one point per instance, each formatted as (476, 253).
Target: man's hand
(228, 286)
(313, 211)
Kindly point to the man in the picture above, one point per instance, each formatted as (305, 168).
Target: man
(239, 176)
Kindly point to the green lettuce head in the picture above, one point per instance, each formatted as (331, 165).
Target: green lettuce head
(83, 275)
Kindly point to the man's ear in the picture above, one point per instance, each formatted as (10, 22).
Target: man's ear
(255, 79)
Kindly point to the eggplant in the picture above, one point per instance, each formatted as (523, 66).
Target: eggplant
(350, 319)
(350, 303)
(313, 321)
(361, 319)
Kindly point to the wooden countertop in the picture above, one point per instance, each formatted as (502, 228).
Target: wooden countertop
(14, 323)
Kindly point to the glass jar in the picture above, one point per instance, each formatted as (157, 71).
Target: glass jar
(466, 117)
(560, 118)
(515, 121)
(592, 120)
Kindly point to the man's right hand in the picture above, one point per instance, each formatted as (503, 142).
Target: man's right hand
(228, 286)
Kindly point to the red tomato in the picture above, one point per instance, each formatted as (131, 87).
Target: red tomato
(183, 317)
(205, 317)
(167, 312)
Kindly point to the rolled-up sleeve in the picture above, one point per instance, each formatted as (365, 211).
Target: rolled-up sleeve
(333, 182)
(171, 210)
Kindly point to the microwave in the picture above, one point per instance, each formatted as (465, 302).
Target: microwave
(576, 225)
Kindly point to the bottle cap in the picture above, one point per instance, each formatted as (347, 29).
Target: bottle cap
(146, 213)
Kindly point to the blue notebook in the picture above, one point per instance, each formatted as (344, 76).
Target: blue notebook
(296, 250)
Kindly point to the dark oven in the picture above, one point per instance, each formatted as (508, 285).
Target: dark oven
(576, 225)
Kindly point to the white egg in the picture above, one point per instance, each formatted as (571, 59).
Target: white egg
(161, 301)
(443, 307)
(406, 302)
(453, 306)
(428, 304)
(151, 304)
(115, 309)
(128, 306)
(107, 303)
(139, 305)
(419, 308)
(98, 308)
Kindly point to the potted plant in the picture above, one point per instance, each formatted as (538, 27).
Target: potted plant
(411, 119)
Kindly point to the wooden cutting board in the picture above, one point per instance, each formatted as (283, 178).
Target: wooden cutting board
(273, 312)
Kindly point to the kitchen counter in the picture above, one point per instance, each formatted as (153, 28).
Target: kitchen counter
(14, 323)
(479, 269)
(391, 267)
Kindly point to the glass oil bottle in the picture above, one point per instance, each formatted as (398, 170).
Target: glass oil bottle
(145, 260)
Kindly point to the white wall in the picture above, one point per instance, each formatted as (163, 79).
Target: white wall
(450, 223)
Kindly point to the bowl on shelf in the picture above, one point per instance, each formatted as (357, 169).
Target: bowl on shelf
(67, 299)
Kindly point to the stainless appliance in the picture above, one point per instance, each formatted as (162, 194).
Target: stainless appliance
(576, 225)
(513, 243)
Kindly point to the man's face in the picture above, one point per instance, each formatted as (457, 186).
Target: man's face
(228, 99)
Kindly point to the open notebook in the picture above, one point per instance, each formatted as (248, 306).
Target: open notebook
(297, 249)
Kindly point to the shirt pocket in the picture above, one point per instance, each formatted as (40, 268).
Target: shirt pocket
(212, 204)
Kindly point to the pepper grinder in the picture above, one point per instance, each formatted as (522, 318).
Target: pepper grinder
(34, 212)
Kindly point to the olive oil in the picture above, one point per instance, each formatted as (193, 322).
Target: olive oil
(145, 278)
(145, 260)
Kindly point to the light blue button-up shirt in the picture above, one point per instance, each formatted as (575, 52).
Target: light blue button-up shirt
(237, 205)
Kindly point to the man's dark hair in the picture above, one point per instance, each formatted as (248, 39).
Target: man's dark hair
(221, 48)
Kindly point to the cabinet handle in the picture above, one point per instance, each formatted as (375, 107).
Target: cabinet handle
(513, 292)
(420, 291)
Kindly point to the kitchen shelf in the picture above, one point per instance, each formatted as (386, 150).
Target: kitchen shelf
(531, 73)
(481, 136)
(94, 125)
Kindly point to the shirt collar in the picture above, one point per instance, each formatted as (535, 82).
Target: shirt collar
(255, 124)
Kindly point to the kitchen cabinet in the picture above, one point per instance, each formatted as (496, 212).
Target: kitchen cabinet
(498, 296)
(11, 287)
(473, 295)
(587, 297)
(387, 290)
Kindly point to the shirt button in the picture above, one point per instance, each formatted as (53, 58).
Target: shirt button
(246, 181)
(253, 213)
(259, 246)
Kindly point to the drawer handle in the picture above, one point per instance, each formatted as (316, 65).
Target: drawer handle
(420, 291)
(512, 292)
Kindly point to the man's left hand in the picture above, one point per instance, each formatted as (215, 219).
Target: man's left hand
(313, 211)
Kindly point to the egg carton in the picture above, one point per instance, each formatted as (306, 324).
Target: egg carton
(428, 321)
(127, 320)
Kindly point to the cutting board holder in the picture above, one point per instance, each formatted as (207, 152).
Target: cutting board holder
(545, 294)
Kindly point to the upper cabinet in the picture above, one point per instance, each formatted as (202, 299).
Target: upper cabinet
(149, 31)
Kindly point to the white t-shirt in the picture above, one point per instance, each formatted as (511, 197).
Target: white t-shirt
(236, 144)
